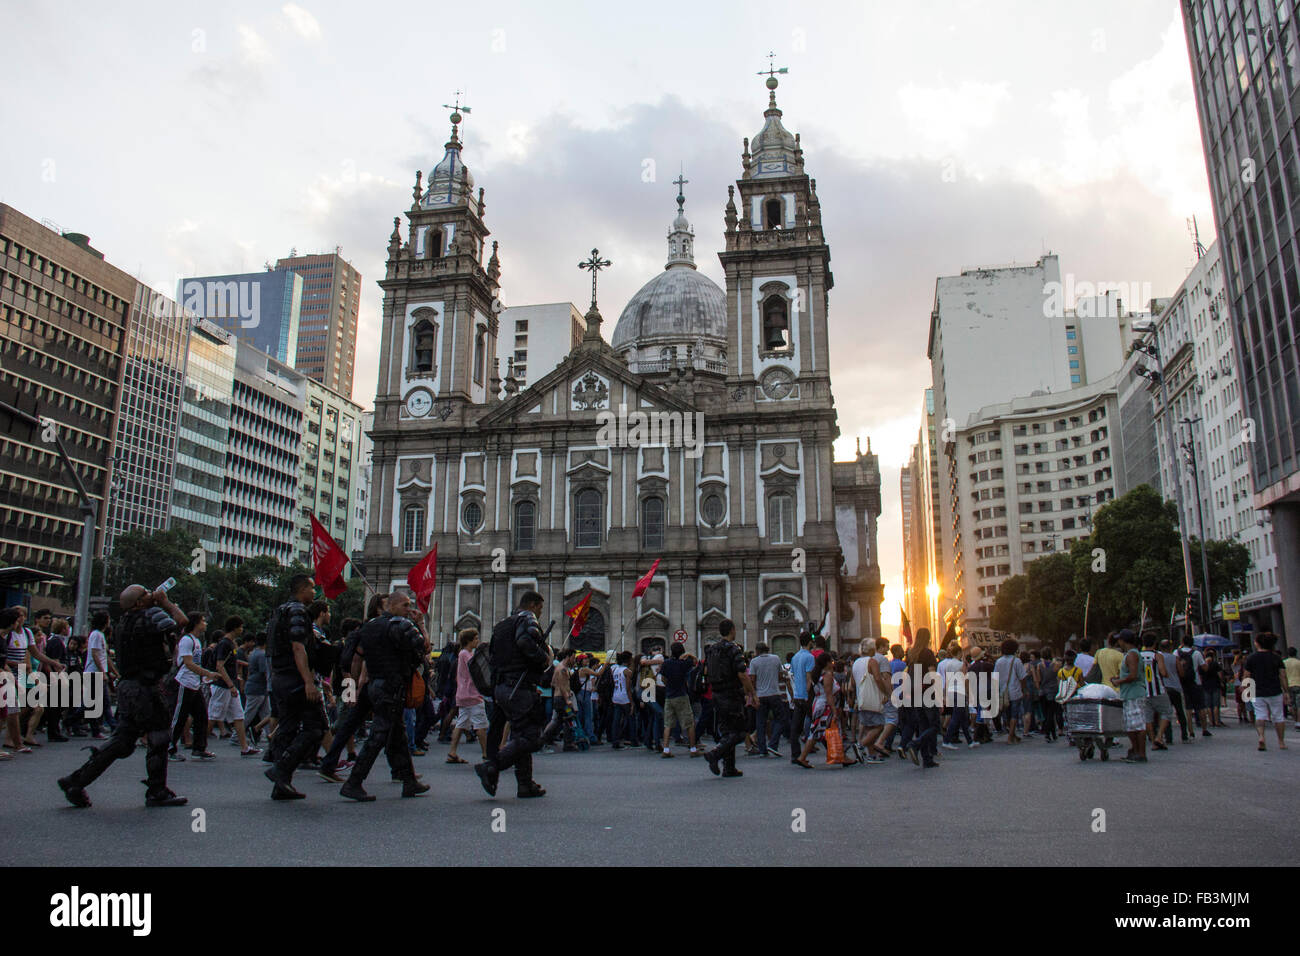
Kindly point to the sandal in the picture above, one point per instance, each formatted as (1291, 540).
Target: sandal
(22, 750)
(451, 759)
(6, 755)
(31, 743)
(804, 763)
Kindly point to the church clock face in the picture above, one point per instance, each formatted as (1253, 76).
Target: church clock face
(777, 383)
(418, 403)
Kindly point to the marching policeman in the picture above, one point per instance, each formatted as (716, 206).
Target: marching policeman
(520, 657)
(725, 666)
(291, 644)
(142, 662)
(393, 648)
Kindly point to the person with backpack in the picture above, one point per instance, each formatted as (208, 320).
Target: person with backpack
(1190, 663)
(520, 658)
(724, 667)
(1174, 691)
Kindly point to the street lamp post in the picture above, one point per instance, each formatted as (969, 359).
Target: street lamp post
(1157, 376)
(1190, 448)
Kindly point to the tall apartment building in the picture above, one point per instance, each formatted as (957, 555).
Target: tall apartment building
(204, 435)
(365, 469)
(263, 458)
(1245, 61)
(1028, 475)
(327, 326)
(64, 313)
(534, 339)
(331, 464)
(1194, 335)
(148, 415)
(261, 308)
(1010, 347)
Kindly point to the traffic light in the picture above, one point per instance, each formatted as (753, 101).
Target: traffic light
(1194, 610)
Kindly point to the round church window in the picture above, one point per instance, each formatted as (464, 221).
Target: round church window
(712, 508)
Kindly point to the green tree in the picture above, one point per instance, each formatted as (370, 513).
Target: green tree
(149, 559)
(1229, 563)
(1053, 609)
(1008, 612)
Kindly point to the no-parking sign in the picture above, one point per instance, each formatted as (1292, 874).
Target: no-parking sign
(679, 635)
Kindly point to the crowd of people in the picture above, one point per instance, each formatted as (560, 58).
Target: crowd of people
(302, 693)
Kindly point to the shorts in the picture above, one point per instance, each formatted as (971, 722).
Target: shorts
(1192, 697)
(1014, 709)
(224, 705)
(1211, 699)
(1269, 710)
(677, 710)
(1159, 707)
(871, 718)
(1135, 714)
(471, 716)
(256, 707)
(890, 713)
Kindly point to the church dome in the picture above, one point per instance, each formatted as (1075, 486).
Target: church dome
(679, 314)
(677, 306)
(450, 182)
(776, 151)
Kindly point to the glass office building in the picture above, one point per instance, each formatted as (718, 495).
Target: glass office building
(1245, 58)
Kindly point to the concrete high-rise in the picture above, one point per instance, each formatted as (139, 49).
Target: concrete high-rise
(1246, 73)
(327, 326)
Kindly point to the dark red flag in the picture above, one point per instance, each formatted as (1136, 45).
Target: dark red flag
(327, 560)
(644, 581)
(578, 614)
(423, 579)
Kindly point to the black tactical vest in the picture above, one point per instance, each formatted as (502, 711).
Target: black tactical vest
(141, 644)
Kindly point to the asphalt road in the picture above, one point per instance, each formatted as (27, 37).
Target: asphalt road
(994, 806)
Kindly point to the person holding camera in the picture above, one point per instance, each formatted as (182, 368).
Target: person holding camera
(520, 659)
(143, 663)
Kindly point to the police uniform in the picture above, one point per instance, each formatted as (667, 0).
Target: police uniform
(143, 664)
(724, 663)
(519, 663)
(392, 647)
(351, 715)
(301, 721)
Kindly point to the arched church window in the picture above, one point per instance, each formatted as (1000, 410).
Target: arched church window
(780, 518)
(525, 526)
(652, 524)
(413, 528)
(588, 519)
(480, 354)
(433, 244)
(423, 340)
(776, 323)
(772, 217)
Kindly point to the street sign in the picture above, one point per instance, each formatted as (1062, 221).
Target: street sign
(1231, 611)
(679, 635)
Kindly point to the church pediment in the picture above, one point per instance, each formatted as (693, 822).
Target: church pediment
(585, 384)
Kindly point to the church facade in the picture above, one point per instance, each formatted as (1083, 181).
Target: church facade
(567, 486)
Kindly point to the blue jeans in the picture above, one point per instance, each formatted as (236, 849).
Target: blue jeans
(622, 716)
(585, 717)
(653, 720)
(775, 706)
(959, 722)
(408, 717)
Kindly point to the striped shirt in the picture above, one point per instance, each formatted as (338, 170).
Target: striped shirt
(1151, 674)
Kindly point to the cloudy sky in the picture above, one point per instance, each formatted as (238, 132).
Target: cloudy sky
(206, 138)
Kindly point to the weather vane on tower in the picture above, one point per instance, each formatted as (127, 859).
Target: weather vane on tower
(771, 72)
(456, 110)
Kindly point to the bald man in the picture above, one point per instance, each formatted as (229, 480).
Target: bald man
(143, 664)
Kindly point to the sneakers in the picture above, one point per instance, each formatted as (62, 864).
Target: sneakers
(76, 795)
(972, 745)
(165, 799)
(667, 753)
(874, 758)
(204, 755)
(488, 775)
(947, 746)
(250, 752)
(175, 756)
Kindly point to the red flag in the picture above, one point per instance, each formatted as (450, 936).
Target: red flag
(907, 625)
(578, 614)
(644, 582)
(423, 578)
(327, 561)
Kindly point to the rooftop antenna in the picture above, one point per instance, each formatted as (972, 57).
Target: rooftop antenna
(1194, 231)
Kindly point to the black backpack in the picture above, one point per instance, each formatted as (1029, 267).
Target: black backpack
(1186, 667)
(697, 681)
(480, 670)
(208, 659)
(605, 682)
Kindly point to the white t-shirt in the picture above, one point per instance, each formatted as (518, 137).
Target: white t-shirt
(620, 685)
(950, 673)
(188, 646)
(95, 642)
(16, 648)
(1084, 662)
(656, 665)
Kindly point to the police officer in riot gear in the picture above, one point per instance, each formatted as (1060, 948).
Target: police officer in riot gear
(520, 657)
(291, 645)
(393, 649)
(143, 663)
(353, 666)
(724, 663)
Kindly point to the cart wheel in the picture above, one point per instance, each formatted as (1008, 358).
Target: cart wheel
(1083, 753)
(1105, 753)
